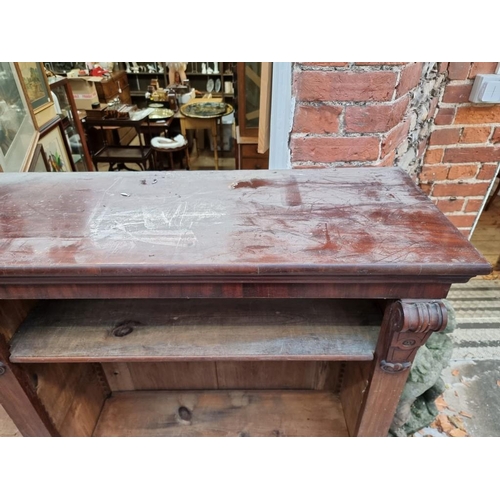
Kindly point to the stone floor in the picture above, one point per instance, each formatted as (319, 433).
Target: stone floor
(471, 402)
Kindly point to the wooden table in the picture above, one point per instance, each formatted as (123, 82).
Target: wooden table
(121, 154)
(189, 123)
(274, 303)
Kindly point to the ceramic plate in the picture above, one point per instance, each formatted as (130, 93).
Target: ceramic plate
(217, 85)
(210, 85)
(155, 105)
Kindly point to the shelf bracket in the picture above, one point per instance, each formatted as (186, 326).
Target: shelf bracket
(411, 323)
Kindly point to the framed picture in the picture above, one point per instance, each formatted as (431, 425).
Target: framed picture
(18, 135)
(52, 139)
(35, 85)
(39, 162)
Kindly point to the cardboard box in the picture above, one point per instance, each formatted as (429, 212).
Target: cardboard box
(84, 91)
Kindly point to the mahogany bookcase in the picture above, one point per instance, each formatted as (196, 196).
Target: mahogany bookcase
(273, 303)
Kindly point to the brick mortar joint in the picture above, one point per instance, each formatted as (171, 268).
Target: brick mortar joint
(339, 135)
(345, 163)
(351, 68)
(464, 145)
(472, 105)
(454, 182)
(463, 125)
(350, 103)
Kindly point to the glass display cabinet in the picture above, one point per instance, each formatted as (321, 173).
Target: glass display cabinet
(249, 83)
(73, 129)
(253, 108)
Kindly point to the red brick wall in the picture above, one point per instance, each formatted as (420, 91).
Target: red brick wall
(416, 115)
(350, 113)
(464, 147)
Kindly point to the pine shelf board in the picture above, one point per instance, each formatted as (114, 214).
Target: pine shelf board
(197, 330)
(222, 414)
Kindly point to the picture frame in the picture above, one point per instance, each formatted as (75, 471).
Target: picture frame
(55, 147)
(18, 133)
(35, 85)
(39, 162)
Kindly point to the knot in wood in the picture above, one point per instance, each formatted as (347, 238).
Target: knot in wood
(3, 368)
(124, 328)
(185, 414)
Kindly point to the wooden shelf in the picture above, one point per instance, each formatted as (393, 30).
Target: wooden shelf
(197, 330)
(206, 74)
(110, 154)
(142, 73)
(222, 413)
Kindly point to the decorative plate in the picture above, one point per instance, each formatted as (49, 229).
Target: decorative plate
(161, 114)
(204, 109)
(210, 85)
(217, 85)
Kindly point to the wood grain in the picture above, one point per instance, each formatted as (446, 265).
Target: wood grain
(190, 330)
(247, 375)
(352, 394)
(7, 426)
(225, 413)
(161, 376)
(12, 314)
(72, 395)
(276, 375)
(17, 395)
(369, 223)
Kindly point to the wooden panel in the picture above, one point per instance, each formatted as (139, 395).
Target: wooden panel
(7, 426)
(250, 151)
(265, 107)
(355, 382)
(254, 163)
(222, 375)
(237, 225)
(108, 89)
(165, 290)
(12, 314)
(126, 135)
(231, 413)
(17, 395)
(160, 376)
(72, 394)
(277, 375)
(190, 330)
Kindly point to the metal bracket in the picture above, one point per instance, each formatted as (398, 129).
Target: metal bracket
(394, 367)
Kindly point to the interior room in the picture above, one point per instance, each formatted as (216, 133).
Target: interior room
(103, 116)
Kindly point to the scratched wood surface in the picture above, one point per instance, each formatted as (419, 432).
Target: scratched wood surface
(197, 330)
(222, 413)
(218, 226)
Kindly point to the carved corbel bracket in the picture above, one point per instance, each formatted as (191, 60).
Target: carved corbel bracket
(407, 326)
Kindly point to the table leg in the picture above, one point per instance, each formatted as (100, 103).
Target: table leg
(216, 146)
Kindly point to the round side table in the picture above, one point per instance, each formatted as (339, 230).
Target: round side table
(170, 151)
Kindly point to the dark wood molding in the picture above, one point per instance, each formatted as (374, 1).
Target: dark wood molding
(406, 326)
(412, 324)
